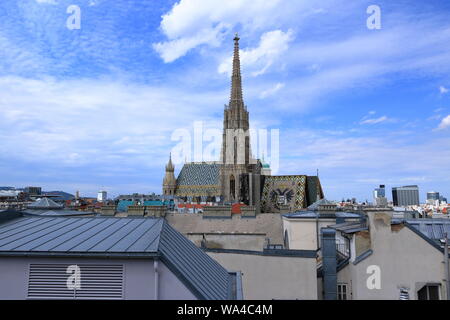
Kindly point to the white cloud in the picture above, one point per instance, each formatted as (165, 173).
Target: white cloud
(188, 20)
(271, 46)
(172, 50)
(375, 120)
(272, 90)
(95, 121)
(191, 23)
(348, 164)
(47, 1)
(443, 90)
(445, 123)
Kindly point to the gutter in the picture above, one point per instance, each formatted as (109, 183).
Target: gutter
(138, 255)
(155, 266)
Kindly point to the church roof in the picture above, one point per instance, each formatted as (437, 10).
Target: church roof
(199, 179)
(199, 174)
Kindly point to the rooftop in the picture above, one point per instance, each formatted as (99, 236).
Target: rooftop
(117, 237)
(350, 227)
(321, 215)
(45, 203)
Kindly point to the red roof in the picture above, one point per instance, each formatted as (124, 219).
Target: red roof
(236, 208)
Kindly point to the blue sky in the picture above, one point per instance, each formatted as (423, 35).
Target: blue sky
(95, 108)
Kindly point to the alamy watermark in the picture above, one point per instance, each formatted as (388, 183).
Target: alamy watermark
(374, 20)
(73, 22)
(74, 280)
(203, 144)
(374, 280)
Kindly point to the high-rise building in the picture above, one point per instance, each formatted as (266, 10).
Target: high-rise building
(33, 191)
(101, 196)
(379, 196)
(433, 197)
(405, 196)
(379, 192)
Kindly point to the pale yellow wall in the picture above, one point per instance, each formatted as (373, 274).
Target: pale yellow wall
(272, 277)
(405, 260)
(302, 232)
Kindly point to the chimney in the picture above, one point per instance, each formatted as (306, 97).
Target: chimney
(329, 263)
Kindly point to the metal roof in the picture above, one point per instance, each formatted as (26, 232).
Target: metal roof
(57, 213)
(433, 229)
(323, 201)
(323, 215)
(350, 227)
(118, 237)
(45, 203)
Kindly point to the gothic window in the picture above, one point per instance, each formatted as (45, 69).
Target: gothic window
(247, 149)
(235, 150)
(232, 187)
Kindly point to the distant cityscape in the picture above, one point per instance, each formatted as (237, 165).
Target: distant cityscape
(403, 198)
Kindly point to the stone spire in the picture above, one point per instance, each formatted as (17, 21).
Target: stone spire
(169, 182)
(169, 166)
(236, 99)
(236, 138)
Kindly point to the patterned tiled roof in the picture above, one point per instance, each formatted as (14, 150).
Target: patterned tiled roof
(199, 174)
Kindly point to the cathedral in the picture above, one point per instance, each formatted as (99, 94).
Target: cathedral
(238, 177)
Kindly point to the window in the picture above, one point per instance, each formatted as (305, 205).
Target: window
(428, 292)
(97, 281)
(342, 291)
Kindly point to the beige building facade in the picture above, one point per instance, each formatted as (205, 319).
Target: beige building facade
(277, 275)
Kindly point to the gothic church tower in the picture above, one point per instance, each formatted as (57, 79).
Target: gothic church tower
(169, 182)
(236, 155)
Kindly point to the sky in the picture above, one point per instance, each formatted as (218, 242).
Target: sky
(99, 105)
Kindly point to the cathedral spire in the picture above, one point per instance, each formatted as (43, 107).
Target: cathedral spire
(236, 99)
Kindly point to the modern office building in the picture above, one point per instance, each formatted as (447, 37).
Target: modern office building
(379, 196)
(405, 196)
(102, 196)
(433, 197)
(380, 192)
(33, 191)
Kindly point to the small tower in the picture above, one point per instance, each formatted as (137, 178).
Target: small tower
(169, 182)
(265, 170)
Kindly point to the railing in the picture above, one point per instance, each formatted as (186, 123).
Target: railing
(343, 249)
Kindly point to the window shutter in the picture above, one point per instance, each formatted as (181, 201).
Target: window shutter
(98, 281)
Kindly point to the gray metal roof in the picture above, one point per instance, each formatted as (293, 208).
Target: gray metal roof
(433, 229)
(45, 203)
(321, 215)
(350, 227)
(118, 237)
(57, 213)
(319, 202)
